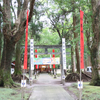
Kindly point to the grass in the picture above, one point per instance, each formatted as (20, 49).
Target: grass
(13, 94)
(88, 93)
(58, 75)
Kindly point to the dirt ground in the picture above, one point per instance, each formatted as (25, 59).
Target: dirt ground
(74, 77)
(18, 78)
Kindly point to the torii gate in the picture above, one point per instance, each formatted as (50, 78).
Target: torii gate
(46, 47)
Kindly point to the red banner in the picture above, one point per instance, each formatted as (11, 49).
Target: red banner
(25, 53)
(36, 66)
(53, 57)
(81, 41)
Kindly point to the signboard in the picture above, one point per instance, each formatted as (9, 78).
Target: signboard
(41, 61)
(23, 83)
(46, 60)
(55, 60)
(37, 61)
(32, 54)
(12, 70)
(64, 53)
(80, 84)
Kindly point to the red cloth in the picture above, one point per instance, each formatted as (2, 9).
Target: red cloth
(35, 56)
(53, 50)
(36, 50)
(53, 65)
(53, 57)
(26, 38)
(81, 41)
(36, 66)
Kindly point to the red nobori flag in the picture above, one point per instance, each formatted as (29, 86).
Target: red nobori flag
(53, 57)
(25, 53)
(81, 41)
(36, 66)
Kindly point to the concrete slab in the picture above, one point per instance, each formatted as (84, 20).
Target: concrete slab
(49, 93)
(46, 89)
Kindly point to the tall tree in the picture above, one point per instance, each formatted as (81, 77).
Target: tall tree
(75, 36)
(72, 57)
(35, 27)
(93, 39)
(71, 6)
(12, 36)
(0, 36)
(18, 59)
(18, 46)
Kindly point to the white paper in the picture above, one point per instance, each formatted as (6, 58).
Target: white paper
(80, 84)
(23, 83)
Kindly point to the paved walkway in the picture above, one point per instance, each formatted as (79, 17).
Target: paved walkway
(46, 89)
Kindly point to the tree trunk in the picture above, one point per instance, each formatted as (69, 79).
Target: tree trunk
(18, 59)
(5, 68)
(0, 46)
(76, 45)
(95, 41)
(0, 40)
(99, 56)
(72, 59)
(88, 60)
(95, 75)
(12, 36)
(77, 58)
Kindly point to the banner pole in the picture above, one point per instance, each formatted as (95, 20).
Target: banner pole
(80, 61)
(22, 88)
(23, 82)
(80, 85)
(25, 55)
(81, 50)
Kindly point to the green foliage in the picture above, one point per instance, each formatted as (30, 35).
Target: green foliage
(48, 38)
(58, 19)
(35, 26)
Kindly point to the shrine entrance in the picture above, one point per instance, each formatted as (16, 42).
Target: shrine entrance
(46, 64)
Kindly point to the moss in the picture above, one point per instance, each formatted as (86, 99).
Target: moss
(6, 80)
(14, 93)
(95, 82)
(18, 72)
